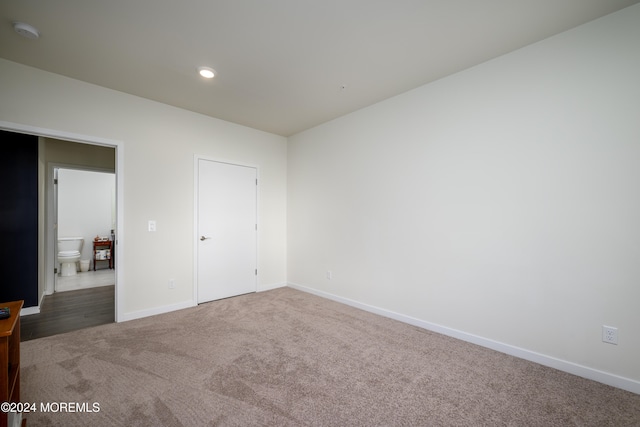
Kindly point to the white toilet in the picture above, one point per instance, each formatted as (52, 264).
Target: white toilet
(69, 254)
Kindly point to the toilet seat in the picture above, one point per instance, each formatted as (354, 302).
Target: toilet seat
(68, 254)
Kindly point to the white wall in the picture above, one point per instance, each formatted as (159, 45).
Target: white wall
(501, 201)
(86, 207)
(159, 146)
(500, 204)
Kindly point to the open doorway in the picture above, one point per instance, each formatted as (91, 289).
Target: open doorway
(84, 209)
(79, 151)
(81, 225)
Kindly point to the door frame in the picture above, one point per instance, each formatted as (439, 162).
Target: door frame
(45, 234)
(196, 181)
(51, 222)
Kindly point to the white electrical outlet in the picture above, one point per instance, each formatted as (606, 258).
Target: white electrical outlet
(172, 283)
(329, 275)
(152, 225)
(609, 334)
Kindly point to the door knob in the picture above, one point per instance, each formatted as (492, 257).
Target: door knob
(204, 238)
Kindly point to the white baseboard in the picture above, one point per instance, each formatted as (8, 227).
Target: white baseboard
(262, 288)
(156, 310)
(542, 359)
(30, 310)
(181, 305)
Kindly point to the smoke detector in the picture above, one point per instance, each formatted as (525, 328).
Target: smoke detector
(26, 30)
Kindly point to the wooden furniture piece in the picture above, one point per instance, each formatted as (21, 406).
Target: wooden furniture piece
(10, 357)
(102, 245)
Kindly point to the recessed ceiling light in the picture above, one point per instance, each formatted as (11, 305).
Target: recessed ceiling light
(26, 30)
(206, 72)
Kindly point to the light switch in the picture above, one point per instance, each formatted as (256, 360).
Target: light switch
(152, 225)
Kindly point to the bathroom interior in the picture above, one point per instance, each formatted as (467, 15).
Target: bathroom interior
(85, 224)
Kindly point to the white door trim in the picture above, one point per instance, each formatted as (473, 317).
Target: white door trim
(51, 238)
(92, 140)
(196, 159)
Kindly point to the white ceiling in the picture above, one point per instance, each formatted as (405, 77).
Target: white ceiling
(281, 63)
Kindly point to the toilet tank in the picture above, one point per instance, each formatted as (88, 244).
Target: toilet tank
(70, 244)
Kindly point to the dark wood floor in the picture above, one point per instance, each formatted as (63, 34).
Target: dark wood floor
(68, 311)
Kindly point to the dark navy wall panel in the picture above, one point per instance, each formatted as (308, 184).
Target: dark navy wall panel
(19, 219)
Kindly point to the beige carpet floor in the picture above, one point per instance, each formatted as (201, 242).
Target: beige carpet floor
(287, 358)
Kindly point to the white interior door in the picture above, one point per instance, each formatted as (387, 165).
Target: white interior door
(227, 230)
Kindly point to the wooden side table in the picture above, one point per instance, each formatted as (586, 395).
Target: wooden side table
(10, 357)
(102, 245)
